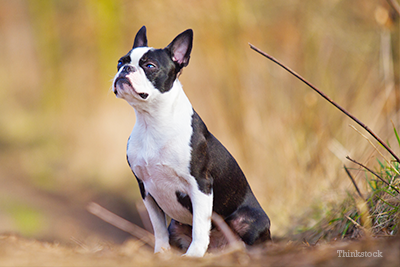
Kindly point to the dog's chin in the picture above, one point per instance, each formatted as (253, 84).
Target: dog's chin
(123, 86)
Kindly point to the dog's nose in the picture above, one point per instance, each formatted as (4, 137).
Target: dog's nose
(128, 69)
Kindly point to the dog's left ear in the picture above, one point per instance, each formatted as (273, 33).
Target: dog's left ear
(181, 47)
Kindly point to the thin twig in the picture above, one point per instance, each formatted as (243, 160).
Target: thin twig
(232, 239)
(354, 182)
(374, 173)
(354, 222)
(359, 226)
(121, 223)
(395, 6)
(328, 99)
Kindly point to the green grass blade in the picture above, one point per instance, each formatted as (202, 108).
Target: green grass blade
(397, 135)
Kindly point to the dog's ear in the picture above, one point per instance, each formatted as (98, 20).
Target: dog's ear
(140, 39)
(181, 47)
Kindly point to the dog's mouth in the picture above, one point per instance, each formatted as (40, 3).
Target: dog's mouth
(124, 83)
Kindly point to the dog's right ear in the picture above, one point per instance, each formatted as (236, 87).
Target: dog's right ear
(140, 39)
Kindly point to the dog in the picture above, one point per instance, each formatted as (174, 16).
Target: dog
(182, 170)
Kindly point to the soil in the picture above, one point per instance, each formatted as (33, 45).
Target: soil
(19, 251)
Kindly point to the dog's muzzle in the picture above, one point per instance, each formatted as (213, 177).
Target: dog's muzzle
(122, 79)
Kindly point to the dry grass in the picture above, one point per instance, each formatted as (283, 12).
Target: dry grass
(376, 215)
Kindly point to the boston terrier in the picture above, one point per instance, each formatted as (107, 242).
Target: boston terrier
(183, 171)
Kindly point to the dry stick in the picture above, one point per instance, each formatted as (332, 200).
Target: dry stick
(146, 236)
(232, 239)
(354, 182)
(121, 223)
(354, 222)
(374, 173)
(395, 6)
(328, 99)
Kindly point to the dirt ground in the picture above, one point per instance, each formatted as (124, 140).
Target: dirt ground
(19, 251)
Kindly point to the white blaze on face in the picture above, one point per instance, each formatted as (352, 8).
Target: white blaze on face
(137, 53)
(137, 78)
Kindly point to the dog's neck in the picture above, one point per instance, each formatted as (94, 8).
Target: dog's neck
(164, 112)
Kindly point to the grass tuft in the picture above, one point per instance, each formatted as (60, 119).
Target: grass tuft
(376, 215)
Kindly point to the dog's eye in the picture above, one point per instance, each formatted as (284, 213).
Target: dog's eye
(150, 66)
(119, 65)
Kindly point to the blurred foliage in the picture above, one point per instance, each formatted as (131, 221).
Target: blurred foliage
(63, 134)
(28, 220)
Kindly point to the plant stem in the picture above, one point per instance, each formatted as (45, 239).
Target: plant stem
(354, 182)
(374, 173)
(328, 99)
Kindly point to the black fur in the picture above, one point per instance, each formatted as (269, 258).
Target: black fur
(184, 200)
(216, 170)
(164, 72)
(140, 38)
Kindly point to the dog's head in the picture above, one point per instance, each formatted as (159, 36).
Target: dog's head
(146, 73)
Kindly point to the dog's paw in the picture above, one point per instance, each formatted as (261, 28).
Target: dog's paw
(162, 248)
(195, 251)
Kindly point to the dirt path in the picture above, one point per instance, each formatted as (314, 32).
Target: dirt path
(18, 251)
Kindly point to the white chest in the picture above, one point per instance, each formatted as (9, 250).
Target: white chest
(160, 157)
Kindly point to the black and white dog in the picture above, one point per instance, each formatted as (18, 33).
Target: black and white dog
(183, 171)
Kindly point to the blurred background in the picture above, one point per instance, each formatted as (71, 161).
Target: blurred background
(63, 133)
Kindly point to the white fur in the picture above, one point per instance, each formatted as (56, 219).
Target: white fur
(139, 82)
(202, 211)
(158, 220)
(159, 154)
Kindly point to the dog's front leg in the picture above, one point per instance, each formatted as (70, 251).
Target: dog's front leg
(158, 220)
(201, 224)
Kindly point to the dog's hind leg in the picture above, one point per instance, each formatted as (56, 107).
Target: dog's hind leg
(251, 224)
